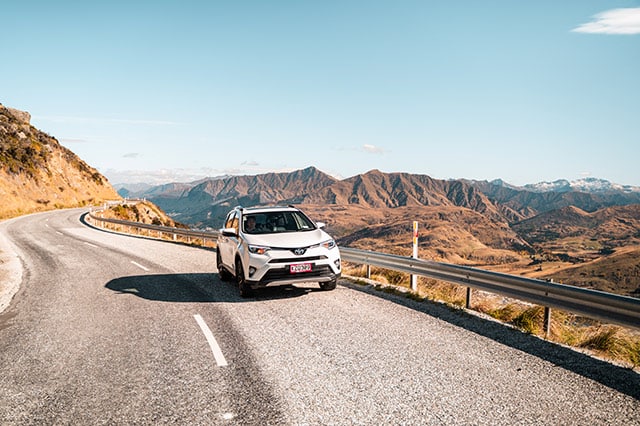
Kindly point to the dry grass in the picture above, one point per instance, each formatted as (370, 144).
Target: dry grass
(612, 341)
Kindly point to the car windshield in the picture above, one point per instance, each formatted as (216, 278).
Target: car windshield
(273, 222)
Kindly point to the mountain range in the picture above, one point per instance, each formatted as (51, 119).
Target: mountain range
(199, 203)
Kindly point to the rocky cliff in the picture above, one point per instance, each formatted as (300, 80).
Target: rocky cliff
(37, 173)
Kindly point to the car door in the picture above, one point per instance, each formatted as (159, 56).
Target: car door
(227, 244)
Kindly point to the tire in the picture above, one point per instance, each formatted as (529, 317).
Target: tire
(329, 285)
(245, 289)
(222, 272)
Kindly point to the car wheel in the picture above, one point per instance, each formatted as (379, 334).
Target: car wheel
(329, 285)
(222, 272)
(245, 289)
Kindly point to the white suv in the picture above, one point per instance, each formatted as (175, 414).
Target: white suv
(270, 246)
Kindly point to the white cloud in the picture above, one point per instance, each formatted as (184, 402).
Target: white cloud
(162, 176)
(158, 177)
(614, 21)
(131, 155)
(372, 149)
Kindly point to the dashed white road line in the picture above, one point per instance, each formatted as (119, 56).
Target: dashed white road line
(213, 344)
(140, 266)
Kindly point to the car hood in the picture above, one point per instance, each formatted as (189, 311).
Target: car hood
(289, 239)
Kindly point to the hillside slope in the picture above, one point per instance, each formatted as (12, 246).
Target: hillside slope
(376, 189)
(446, 233)
(612, 227)
(142, 212)
(37, 173)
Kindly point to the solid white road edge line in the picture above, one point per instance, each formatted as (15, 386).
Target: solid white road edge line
(217, 352)
(140, 266)
(91, 245)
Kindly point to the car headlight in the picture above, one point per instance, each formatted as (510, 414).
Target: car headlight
(328, 244)
(258, 249)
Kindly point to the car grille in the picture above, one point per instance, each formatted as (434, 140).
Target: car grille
(298, 259)
(279, 274)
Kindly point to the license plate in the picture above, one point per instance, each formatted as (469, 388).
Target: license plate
(300, 267)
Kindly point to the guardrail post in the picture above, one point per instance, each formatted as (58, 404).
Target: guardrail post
(547, 321)
(368, 271)
(414, 278)
(468, 301)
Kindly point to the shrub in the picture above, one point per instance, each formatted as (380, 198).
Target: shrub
(604, 340)
(505, 313)
(531, 320)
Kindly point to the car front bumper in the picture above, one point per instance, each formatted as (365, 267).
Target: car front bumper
(277, 271)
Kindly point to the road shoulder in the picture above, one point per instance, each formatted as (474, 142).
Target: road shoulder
(10, 272)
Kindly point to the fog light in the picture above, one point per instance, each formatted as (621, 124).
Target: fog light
(337, 263)
(252, 271)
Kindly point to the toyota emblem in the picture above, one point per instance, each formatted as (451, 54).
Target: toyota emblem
(299, 251)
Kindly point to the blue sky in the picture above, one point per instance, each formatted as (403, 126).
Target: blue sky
(526, 91)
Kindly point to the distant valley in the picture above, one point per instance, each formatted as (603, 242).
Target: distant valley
(582, 233)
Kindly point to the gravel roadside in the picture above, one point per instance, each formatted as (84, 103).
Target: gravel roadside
(10, 270)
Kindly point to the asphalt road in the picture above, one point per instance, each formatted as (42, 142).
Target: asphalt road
(110, 329)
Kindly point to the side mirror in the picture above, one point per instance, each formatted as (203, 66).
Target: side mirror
(229, 232)
(320, 225)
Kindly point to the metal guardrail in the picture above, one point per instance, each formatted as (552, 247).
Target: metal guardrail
(188, 233)
(595, 304)
(607, 307)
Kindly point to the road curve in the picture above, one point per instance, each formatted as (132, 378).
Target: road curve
(108, 329)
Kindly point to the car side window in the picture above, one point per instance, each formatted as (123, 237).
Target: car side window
(229, 219)
(234, 222)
